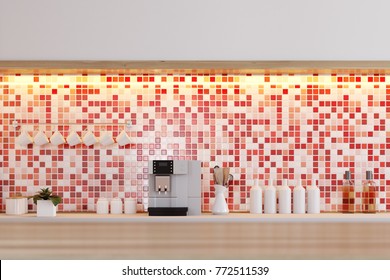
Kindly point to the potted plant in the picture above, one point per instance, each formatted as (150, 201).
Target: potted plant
(46, 202)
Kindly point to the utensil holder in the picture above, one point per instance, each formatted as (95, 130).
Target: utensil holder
(220, 206)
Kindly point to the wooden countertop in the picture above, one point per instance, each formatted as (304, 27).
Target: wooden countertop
(205, 218)
(235, 236)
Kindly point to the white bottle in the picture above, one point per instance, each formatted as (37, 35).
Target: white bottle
(299, 198)
(270, 198)
(256, 202)
(284, 194)
(313, 199)
(116, 206)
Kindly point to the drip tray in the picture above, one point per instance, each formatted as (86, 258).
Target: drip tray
(168, 211)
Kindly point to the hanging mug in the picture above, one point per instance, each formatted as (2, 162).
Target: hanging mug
(123, 139)
(89, 138)
(41, 139)
(57, 138)
(73, 139)
(106, 139)
(24, 139)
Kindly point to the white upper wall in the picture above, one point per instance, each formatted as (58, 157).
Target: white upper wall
(194, 30)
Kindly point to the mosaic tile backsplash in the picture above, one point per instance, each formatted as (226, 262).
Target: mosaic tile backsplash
(313, 127)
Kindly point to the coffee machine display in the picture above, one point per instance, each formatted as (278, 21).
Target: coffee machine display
(174, 188)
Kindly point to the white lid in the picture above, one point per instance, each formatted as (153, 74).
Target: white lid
(129, 199)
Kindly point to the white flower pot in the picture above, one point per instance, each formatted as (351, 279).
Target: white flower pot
(46, 208)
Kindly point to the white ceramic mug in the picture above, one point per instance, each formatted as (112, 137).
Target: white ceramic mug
(41, 139)
(130, 206)
(57, 138)
(123, 139)
(106, 138)
(89, 138)
(24, 139)
(73, 139)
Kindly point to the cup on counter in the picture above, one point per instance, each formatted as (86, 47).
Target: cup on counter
(130, 205)
(73, 139)
(16, 206)
(106, 138)
(102, 206)
(57, 138)
(123, 139)
(116, 206)
(41, 139)
(89, 138)
(24, 139)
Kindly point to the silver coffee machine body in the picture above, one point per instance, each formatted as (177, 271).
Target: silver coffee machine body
(174, 188)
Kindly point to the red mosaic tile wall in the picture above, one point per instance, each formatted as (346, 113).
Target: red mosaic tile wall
(291, 126)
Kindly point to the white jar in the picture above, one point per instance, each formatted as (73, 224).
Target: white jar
(130, 206)
(284, 193)
(16, 206)
(102, 206)
(256, 202)
(299, 198)
(270, 198)
(313, 199)
(116, 206)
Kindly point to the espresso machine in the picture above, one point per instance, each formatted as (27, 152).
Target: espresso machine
(174, 188)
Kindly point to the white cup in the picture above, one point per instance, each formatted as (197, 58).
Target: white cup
(73, 139)
(123, 139)
(89, 138)
(57, 138)
(130, 206)
(116, 206)
(24, 139)
(102, 206)
(41, 139)
(106, 139)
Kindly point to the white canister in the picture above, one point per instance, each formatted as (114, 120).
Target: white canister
(270, 198)
(313, 199)
(299, 199)
(102, 206)
(116, 206)
(256, 202)
(16, 206)
(284, 194)
(130, 206)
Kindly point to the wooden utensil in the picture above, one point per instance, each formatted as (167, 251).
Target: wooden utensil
(226, 171)
(219, 176)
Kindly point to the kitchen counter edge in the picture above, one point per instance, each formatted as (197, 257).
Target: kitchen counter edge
(204, 218)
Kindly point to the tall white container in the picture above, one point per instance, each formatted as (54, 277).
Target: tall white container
(299, 198)
(270, 198)
(102, 206)
(313, 199)
(130, 206)
(116, 206)
(284, 193)
(256, 202)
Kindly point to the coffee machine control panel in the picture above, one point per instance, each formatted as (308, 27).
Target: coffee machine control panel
(163, 167)
(168, 167)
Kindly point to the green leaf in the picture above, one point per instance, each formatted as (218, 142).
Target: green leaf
(46, 194)
(56, 199)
